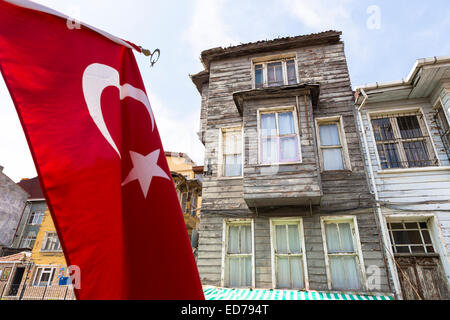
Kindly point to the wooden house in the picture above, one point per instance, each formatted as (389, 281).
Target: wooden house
(286, 200)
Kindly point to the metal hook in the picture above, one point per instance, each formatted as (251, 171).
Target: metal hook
(153, 59)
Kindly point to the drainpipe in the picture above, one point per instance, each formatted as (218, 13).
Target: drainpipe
(383, 225)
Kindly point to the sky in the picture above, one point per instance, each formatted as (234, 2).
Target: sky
(382, 41)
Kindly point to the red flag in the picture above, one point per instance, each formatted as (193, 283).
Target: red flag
(85, 113)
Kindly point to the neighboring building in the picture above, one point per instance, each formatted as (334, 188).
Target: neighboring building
(187, 177)
(12, 204)
(286, 200)
(32, 216)
(405, 128)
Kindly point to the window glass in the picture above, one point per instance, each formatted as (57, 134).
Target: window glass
(291, 73)
(239, 256)
(232, 153)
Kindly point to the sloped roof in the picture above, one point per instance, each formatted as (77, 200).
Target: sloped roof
(33, 187)
(18, 257)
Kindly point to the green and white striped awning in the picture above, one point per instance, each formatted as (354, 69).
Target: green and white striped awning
(213, 293)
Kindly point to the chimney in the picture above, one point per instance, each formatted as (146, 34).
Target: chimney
(1, 169)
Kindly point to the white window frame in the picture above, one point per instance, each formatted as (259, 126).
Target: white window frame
(221, 162)
(423, 126)
(264, 61)
(283, 221)
(339, 121)
(34, 214)
(52, 275)
(356, 244)
(44, 242)
(226, 224)
(278, 110)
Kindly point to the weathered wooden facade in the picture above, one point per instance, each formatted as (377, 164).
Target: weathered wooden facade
(406, 138)
(286, 199)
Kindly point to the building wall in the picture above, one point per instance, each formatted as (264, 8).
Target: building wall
(12, 203)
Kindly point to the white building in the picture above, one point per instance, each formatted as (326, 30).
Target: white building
(404, 127)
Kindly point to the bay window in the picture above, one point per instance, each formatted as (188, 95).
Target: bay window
(333, 151)
(402, 141)
(342, 254)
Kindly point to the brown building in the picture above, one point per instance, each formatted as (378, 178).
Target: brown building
(286, 200)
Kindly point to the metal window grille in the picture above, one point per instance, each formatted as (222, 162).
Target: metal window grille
(402, 141)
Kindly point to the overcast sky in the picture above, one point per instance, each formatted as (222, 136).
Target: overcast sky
(382, 40)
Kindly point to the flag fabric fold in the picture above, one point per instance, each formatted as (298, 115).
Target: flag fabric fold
(95, 143)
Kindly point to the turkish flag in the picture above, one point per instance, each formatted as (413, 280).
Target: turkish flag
(94, 140)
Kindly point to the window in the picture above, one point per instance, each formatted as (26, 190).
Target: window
(402, 141)
(231, 152)
(44, 277)
(279, 138)
(239, 255)
(28, 242)
(443, 127)
(288, 259)
(51, 242)
(332, 144)
(275, 73)
(35, 218)
(341, 252)
(410, 237)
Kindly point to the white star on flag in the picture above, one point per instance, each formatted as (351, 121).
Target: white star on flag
(144, 169)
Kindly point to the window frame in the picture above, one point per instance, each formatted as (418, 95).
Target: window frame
(356, 244)
(264, 61)
(285, 221)
(426, 132)
(36, 272)
(277, 110)
(339, 121)
(44, 242)
(221, 163)
(226, 224)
